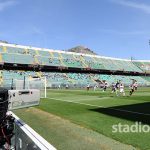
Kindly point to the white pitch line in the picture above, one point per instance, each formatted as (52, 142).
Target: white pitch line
(95, 99)
(73, 102)
(122, 110)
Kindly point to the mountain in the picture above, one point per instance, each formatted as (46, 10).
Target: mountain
(82, 49)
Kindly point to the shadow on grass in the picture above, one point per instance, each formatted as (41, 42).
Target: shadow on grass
(135, 112)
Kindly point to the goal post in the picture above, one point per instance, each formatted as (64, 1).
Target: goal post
(38, 83)
(33, 83)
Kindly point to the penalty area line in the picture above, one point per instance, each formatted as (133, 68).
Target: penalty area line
(121, 110)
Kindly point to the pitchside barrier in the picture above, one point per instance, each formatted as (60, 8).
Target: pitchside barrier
(26, 138)
(15, 134)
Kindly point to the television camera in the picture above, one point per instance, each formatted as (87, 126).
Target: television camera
(10, 100)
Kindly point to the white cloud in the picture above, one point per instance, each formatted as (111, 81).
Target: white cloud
(37, 30)
(4, 4)
(136, 5)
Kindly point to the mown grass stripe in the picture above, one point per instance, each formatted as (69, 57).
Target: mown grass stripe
(121, 110)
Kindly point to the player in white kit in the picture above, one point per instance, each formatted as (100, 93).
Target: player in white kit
(122, 89)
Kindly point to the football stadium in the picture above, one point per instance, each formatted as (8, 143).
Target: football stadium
(80, 100)
(74, 75)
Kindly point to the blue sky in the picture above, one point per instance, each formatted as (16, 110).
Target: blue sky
(116, 28)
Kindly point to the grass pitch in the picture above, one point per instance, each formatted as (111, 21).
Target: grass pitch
(96, 111)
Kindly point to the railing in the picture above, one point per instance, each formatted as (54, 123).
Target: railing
(27, 139)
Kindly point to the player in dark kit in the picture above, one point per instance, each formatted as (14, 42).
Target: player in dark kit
(133, 87)
(113, 88)
(104, 85)
(117, 87)
(88, 87)
(117, 84)
(136, 86)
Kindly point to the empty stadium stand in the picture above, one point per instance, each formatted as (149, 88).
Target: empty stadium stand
(55, 79)
(143, 65)
(16, 54)
(73, 68)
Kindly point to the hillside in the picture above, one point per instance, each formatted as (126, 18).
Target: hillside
(82, 49)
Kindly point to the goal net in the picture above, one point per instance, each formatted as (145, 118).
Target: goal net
(33, 83)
